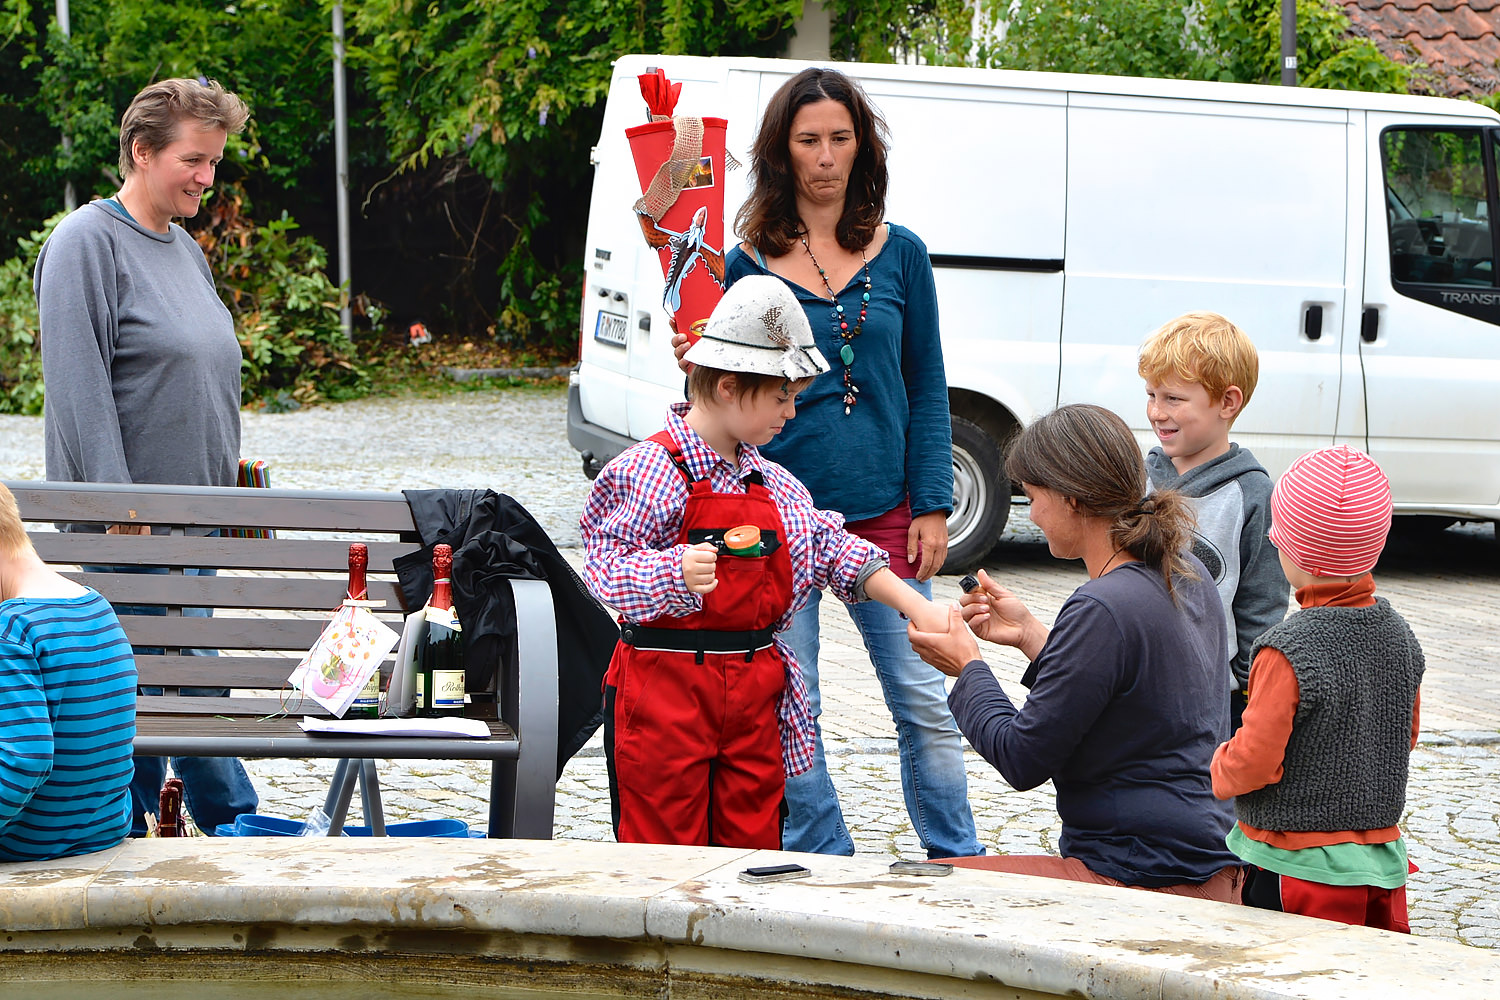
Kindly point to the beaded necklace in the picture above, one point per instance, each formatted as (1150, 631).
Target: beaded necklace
(847, 335)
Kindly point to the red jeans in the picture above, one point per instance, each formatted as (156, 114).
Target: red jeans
(1223, 887)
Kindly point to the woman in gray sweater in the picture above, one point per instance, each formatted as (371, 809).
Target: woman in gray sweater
(139, 357)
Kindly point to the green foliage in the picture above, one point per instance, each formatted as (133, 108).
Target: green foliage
(467, 78)
(515, 89)
(1246, 39)
(1236, 41)
(286, 311)
(274, 53)
(20, 359)
(1119, 37)
(936, 32)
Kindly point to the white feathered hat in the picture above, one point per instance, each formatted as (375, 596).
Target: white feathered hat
(759, 326)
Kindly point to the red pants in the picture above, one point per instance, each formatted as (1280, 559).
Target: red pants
(1364, 905)
(1223, 887)
(694, 750)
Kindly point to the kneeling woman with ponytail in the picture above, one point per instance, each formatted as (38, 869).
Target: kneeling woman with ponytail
(1126, 701)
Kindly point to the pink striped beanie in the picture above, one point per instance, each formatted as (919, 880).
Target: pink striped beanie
(1331, 511)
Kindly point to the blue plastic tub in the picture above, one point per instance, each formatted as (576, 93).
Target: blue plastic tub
(254, 825)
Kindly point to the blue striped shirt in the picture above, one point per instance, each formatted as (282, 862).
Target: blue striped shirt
(67, 722)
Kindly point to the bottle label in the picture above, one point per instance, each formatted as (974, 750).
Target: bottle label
(421, 699)
(449, 689)
(443, 616)
(369, 695)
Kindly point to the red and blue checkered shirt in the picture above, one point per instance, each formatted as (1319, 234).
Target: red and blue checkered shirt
(633, 561)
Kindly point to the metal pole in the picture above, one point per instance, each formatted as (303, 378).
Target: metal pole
(70, 199)
(1289, 43)
(341, 164)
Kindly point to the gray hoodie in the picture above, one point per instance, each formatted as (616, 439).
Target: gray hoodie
(1231, 496)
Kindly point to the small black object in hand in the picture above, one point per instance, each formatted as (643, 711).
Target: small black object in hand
(969, 584)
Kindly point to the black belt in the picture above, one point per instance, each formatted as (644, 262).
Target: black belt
(699, 641)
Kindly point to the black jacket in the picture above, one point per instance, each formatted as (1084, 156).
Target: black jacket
(494, 538)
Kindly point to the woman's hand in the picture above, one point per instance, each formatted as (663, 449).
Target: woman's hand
(928, 535)
(928, 616)
(999, 616)
(950, 650)
(128, 529)
(680, 346)
(698, 567)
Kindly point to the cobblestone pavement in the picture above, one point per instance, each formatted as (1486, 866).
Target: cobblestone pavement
(1446, 583)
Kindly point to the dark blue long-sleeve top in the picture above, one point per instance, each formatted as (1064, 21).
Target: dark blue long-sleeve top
(1125, 708)
(896, 442)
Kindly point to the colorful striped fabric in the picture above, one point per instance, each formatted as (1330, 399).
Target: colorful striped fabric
(1331, 512)
(67, 721)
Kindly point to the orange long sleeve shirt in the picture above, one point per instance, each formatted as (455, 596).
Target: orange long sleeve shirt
(1253, 757)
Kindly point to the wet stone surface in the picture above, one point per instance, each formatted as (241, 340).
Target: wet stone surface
(1447, 584)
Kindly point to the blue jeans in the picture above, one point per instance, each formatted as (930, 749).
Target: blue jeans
(214, 789)
(932, 759)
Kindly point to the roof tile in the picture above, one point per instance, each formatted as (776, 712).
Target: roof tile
(1427, 23)
(1456, 38)
(1469, 25)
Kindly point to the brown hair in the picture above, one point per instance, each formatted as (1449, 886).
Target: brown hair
(13, 540)
(768, 218)
(702, 383)
(1087, 454)
(155, 113)
(1205, 348)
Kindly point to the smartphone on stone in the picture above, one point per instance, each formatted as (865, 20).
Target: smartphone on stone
(928, 868)
(774, 873)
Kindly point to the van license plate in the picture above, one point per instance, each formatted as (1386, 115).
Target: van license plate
(610, 328)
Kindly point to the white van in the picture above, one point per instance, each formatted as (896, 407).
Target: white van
(1351, 235)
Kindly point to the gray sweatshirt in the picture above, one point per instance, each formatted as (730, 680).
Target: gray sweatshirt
(1231, 496)
(139, 358)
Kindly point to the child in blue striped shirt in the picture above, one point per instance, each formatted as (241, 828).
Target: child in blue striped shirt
(67, 708)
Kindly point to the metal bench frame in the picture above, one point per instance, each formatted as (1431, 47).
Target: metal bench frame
(297, 583)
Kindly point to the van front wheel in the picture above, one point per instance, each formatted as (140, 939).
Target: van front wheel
(981, 496)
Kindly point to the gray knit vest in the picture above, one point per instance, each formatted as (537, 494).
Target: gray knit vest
(1357, 670)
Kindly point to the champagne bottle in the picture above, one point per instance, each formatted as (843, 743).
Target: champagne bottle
(440, 660)
(366, 704)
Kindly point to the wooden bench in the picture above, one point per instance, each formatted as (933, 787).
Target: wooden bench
(270, 601)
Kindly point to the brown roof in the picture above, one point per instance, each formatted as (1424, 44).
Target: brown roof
(1459, 40)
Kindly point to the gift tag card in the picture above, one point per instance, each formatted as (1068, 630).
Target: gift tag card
(340, 663)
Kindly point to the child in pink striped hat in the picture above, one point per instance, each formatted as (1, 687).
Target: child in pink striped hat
(1318, 770)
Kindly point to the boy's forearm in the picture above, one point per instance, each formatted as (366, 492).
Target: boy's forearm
(894, 592)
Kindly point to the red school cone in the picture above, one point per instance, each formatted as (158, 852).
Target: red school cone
(680, 163)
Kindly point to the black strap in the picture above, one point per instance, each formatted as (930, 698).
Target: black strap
(699, 641)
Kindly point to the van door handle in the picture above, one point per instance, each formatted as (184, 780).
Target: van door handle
(1369, 325)
(1312, 322)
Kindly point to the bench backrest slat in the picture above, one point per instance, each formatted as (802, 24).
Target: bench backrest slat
(210, 508)
(222, 633)
(253, 672)
(249, 592)
(71, 548)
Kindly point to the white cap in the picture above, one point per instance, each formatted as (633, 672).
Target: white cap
(759, 326)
